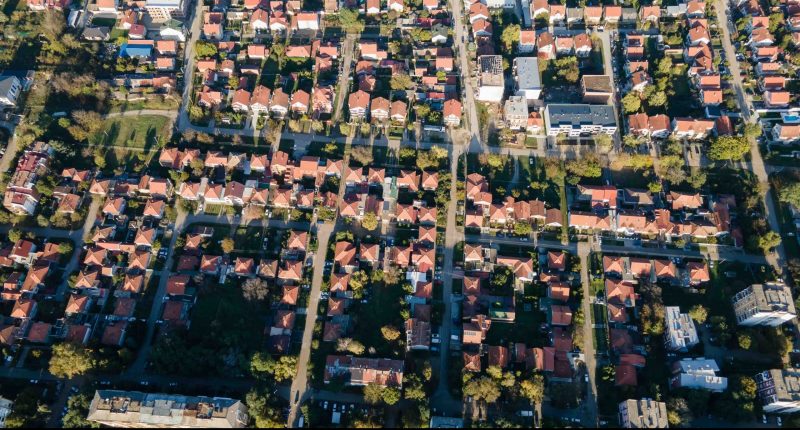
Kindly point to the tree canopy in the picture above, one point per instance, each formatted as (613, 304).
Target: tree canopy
(728, 148)
(70, 360)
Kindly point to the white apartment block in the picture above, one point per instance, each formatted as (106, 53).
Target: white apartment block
(779, 390)
(680, 333)
(769, 304)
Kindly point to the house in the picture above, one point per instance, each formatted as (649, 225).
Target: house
(358, 103)
(786, 133)
(692, 129)
(527, 41)
(322, 100)
(657, 126)
(398, 111)
(650, 13)
(300, 101)
(546, 46)
(379, 109)
(452, 113)
(592, 15)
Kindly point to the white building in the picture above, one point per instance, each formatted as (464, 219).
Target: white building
(645, 413)
(492, 82)
(680, 333)
(576, 120)
(5, 409)
(779, 390)
(767, 304)
(506, 4)
(698, 373)
(527, 78)
(164, 10)
(10, 88)
(515, 112)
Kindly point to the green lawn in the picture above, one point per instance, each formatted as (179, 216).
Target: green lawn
(140, 132)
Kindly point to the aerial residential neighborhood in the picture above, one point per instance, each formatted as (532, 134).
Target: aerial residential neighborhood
(397, 213)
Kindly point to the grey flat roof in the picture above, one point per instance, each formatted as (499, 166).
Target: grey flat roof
(577, 114)
(527, 72)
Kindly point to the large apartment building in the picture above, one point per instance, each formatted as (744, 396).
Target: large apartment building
(576, 120)
(680, 333)
(115, 408)
(779, 390)
(164, 10)
(641, 414)
(769, 304)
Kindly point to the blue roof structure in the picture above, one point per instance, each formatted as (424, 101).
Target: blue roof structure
(140, 51)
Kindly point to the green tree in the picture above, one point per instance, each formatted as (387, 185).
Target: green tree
(523, 228)
(482, 389)
(587, 166)
(390, 395)
(77, 410)
(14, 235)
(370, 221)
(510, 36)
(631, 102)
(227, 245)
(790, 193)
(204, 49)
(373, 394)
(401, 81)
(350, 21)
(362, 154)
(533, 389)
(657, 99)
(728, 148)
(567, 69)
(255, 289)
(698, 313)
(282, 369)
(768, 241)
(390, 333)
(69, 360)
(697, 179)
(744, 340)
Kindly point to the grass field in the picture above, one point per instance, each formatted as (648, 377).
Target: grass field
(140, 132)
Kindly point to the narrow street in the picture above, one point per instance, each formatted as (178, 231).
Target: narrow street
(140, 364)
(590, 406)
(299, 391)
(777, 259)
(442, 400)
(188, 65)
(79, 236)
(343, 86)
